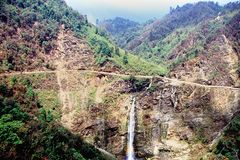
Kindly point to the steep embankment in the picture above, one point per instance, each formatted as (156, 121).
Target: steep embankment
(30, 131)
(175, 119)
(212, 58)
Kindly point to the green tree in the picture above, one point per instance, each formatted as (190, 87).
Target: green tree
(117, 51)
(125, 59)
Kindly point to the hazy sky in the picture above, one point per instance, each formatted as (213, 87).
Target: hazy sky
(138, 10)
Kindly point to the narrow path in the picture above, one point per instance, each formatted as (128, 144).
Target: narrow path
(170, 80)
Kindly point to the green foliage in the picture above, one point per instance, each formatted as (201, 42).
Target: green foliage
(200, 135)
(30, 92)
(125, 59)
(45, 116)
(21, 133)
(9, 129)
(137, 65)
(137, 84)
(100, 46)
(39, 22)
(228, 145)
(142, 38)
(101, 60)
(3, 89)
(48, 17)
(167, 45)
(117, 51)
(152, 88)
(28, 17)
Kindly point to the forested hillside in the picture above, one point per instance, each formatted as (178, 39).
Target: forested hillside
(189, 14)
(29, 131)
(30, 38)
(188, 35)
(121, 30)
(230, 141)
(29, 31)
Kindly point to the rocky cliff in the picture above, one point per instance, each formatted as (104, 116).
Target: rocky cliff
(175, 119)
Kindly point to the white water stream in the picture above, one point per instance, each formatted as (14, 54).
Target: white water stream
(131, 129)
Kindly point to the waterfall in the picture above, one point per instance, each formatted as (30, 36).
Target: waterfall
(131, 129)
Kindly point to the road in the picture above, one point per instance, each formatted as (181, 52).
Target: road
(165, 79)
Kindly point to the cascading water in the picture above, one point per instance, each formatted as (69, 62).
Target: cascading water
(131, 129)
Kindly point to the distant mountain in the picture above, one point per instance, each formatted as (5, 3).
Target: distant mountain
(117, 25)
(190, 33)
(153, 31)
(121, 30)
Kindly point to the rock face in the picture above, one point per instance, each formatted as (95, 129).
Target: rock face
(185, 120)
(174, 120)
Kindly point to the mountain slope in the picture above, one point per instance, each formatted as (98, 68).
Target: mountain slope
(43, 36)
(69, 73)
(210, 53)
(189, 14)
(197, 42)
(117, 25)
(30, 38)
(30, 131)
(121, 30)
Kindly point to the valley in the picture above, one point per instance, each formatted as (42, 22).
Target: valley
(166, 89)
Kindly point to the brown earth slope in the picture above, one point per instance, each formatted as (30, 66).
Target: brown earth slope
(175, 119)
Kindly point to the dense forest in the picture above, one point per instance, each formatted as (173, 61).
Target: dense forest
(28, 131)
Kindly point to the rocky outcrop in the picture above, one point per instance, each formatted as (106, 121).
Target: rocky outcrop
(180, 122)
(174, 120)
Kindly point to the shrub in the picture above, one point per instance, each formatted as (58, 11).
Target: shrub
(125, 59)
(117, 51)
(23, 136)
(137, 84)
(230, 141)
(28, 17)
(152, 88)
(101, 60)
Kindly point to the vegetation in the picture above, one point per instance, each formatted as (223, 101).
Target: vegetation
(137, 84)
(136, 65)
(101, 45)
(28, 131)
(141, 38)
(229, 144)
(152, 88)
(121, 30)
(179, 37)
(38, 23)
